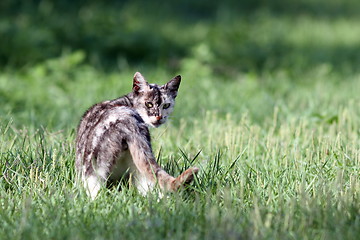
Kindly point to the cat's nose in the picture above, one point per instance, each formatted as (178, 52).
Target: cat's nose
(158, 118)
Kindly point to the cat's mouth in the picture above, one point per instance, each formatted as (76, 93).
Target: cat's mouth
(157, 123)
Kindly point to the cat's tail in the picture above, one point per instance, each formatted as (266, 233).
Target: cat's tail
(185, 178)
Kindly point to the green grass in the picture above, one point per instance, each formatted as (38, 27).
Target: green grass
(295, 174)
(271, 118)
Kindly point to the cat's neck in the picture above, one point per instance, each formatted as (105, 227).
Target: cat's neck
(126, 101)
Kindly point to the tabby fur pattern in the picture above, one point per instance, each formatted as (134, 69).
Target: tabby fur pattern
(113, 140)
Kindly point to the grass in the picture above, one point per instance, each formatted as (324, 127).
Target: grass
(276, 140)
(293, 175)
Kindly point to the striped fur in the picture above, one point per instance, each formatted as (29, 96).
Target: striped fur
(113, 139)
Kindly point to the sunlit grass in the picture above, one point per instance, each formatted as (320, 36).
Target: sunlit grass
(290, 177)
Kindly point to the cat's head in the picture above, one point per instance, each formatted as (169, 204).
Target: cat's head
(154, 103)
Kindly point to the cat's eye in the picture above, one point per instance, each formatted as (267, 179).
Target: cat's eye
(149, 105)
(166, 105)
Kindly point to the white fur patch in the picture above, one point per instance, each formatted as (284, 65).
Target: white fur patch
(143, 185)
(92, 186)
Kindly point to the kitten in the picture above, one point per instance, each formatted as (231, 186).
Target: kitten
(113, 139)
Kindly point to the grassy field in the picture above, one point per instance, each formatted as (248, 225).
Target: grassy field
(268, 109)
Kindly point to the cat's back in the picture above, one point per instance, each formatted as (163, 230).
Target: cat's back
(103, 113)
(106, 119)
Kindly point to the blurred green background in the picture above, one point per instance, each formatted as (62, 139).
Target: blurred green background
(59, 57)
(230, 35)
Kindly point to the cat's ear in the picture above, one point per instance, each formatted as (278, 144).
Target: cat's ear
(173, 85)
(139, 83)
